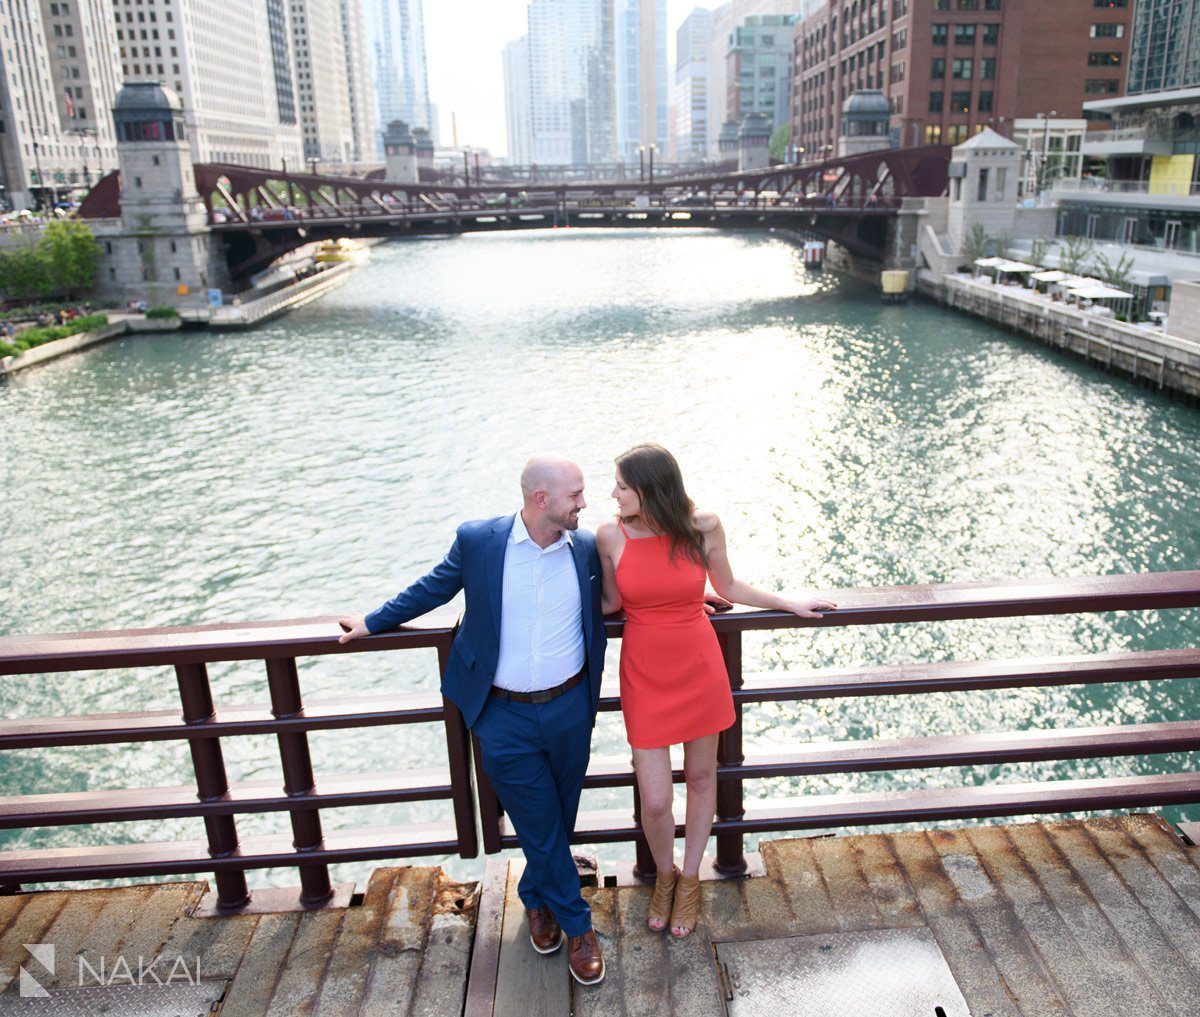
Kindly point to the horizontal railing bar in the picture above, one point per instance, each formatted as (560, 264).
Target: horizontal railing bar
(205, 644)
(187, 856)
(817, 812)
(317, 636)
(936, 751)
(266, 795)
(248, 719)
(955, 676)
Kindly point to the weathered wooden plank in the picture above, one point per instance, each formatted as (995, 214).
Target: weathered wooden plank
(1176, 865)
(1153, 949)
(70, 929)
(793, 865)
(168, 904)
(100, 949)
(528, 982)
(250, 993)
(299, 982)
(853, 903)
(28, 925)
(349, 965)
(401, 940)
(1080, 985)
(219, 943)
(441, 985)
(489, 924)
(1130, 991)
(952, 926)
(1028, 983)
(642, 954)
(608, 998)
(695, 991)
(893, 896)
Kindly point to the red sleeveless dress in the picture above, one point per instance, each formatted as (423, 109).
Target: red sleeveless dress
(674, 686)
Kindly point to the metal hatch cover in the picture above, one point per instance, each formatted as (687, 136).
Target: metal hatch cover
(173, 999)
(883, 973)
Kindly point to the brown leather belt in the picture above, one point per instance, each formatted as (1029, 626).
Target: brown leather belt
(544, 695)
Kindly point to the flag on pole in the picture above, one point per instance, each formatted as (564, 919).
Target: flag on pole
(70, 103)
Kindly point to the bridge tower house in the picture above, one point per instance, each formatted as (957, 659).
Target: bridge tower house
(163, 251)
(984, 171)
(400, 153)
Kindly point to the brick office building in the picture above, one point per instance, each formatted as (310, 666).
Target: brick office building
(952, 67)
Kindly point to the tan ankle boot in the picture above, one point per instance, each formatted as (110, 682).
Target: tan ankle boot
(663, 897)
(686, 911)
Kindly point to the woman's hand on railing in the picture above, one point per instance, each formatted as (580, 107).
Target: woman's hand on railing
(354, 626)
(809, 607)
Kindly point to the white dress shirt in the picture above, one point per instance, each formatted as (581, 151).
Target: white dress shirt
(541, 616)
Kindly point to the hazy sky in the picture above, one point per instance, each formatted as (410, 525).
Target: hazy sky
(463, 41)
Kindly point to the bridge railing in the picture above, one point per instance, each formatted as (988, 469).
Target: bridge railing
(300, 792)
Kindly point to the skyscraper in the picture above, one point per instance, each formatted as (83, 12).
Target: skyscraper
(322, 80)
(691, 85)
(396, 45)
(361, 96)
(570, 81)
(640, 30)
(1164, 51)
(516, 101)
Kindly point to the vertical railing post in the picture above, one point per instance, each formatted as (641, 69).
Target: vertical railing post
(284, 684)
(208, 762)
(490, 809)
(731, 861)
(644, 866)
(458, 754)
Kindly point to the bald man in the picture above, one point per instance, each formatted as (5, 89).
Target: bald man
(525, 671)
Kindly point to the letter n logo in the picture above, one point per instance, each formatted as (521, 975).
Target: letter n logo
(43, 953)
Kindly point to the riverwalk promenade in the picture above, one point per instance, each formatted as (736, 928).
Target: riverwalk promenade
(1087, 918)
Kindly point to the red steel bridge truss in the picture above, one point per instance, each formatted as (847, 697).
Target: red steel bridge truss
(263, 214)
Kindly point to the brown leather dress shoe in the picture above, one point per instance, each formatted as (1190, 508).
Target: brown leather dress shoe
(544, 933)
(584, 958)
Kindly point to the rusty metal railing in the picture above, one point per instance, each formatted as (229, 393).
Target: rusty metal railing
(302, 793)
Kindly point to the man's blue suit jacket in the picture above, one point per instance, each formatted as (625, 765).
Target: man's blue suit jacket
(475, 564)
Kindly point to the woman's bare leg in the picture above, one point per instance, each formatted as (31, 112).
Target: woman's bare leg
(653, 768)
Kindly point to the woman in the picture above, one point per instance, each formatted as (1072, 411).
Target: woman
(674, 687)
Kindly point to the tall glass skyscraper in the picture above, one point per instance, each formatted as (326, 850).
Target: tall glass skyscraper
(640, 28)
(1164, 52)
(396, 42)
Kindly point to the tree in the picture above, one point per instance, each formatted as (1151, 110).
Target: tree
(975, 244)
(1073, 252)
(1116, 276)
(781, 137)
(1004, 244)
(69, 248)
(1038, 250)
(25, 272)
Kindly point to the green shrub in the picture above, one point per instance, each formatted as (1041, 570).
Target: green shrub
(162, 312)
(32, 337)
(8, 349)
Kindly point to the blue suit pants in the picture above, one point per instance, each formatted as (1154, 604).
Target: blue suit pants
(536, 755)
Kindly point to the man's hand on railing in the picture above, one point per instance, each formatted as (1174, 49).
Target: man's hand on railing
(355, 625)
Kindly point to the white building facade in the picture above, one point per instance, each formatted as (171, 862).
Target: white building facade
(361, 94)
(516, 102)
(322, 82)
(219, 57)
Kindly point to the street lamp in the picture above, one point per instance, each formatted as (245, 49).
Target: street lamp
(1041, 173)
(652, 147)
(37, 164)
(641, 162)
(466, 166)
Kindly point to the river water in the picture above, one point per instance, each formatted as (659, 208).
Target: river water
(318, 463)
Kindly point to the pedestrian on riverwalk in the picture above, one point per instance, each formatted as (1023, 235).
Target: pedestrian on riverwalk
(525, 671)
(655, 557)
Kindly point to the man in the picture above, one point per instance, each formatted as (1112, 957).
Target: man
(525, 670)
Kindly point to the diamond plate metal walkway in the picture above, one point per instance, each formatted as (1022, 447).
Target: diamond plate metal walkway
(1078, 918)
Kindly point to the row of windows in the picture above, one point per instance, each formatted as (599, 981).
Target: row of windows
(963, 68)
(960, 102)
(966, 5)
(64, 9)
(964, 35)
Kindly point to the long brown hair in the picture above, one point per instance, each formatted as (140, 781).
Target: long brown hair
(655, 475)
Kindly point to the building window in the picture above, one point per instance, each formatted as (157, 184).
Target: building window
(963, 69)
(960, 102)
(991, 35)
(936, 101)
(939, 35)
(937, 68)
(987, 68)
(1111, 5)
(981, 195)
(985, 102)
(1104, 59)
(956, 134)
(176, 271)
(933, 134)
(1102, 86)
(998, 190)
(991, 5)
(1110, 30)
(964, 35)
